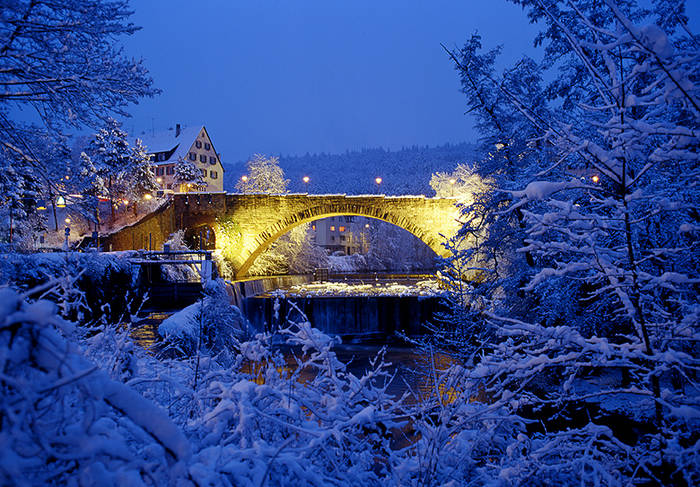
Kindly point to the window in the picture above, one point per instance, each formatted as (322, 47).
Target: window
(198, 144)
(332, 228)
(313, 227)
(160, 171)
(170, 170)
(212, 160)
(332, 238)
(342, 238)
(349, 219)
(204, 172)
(152, 157)
(193, 156)
(207, 146)
(341, 229)
(213, 174)
(202, 158)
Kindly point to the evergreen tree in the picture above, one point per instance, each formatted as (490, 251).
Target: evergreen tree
(587, 245)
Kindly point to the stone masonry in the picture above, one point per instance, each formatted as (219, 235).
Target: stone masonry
(262, 218)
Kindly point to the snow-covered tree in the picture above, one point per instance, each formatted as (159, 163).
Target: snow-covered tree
(590, 302)
(106, 163)
(61, 59)
(264, 176)
(142, 176)
(462, 183)
(188, 175)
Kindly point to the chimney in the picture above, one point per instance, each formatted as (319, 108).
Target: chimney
(177, 130)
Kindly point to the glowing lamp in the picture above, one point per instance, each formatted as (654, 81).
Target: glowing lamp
(305, 179)
(67, 220)
(378, 180)
(147, 196)
(60, 202)
(244, 178)
(453, 180)
(595, 178)
(159, 180)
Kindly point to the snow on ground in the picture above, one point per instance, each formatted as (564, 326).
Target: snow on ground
(379, 288)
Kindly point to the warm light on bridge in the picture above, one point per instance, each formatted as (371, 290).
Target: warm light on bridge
(378, 180)
(305, 179)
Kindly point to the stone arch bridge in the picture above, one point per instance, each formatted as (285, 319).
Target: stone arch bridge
(246, 224)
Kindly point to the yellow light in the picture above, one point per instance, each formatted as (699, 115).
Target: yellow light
(595, 178)
(159, 180)
(67, 220)
(67, 177)
(41, 208)
(366, 225)
(126, 202)
(147, 196)
(499, 146)
(60, 202)
(305, 179)
(244, 178)
(452, 181)
(378, 180)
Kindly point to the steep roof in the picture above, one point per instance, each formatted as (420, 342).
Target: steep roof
(166, 141)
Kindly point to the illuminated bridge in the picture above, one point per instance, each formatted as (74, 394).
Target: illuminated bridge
(244, 225)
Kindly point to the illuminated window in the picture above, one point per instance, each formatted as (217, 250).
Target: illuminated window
(341, 229)
(332, 228)
(313, 227)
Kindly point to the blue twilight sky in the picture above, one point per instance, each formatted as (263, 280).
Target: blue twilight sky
(290, 77)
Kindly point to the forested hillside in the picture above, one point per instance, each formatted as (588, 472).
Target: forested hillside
(406, 171)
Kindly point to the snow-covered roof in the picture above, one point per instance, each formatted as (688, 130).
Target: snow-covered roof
(165, 141)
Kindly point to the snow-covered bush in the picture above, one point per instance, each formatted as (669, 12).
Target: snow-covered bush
(64, 419)
(104, 283)
(211, 325)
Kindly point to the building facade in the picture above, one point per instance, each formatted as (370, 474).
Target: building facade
(193, 144)
(346, 234)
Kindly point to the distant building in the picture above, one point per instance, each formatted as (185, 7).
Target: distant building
(188, 143)
(335, 234)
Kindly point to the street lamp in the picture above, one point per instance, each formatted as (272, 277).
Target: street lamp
(305, 179)
(60, 202)
(595, 179)
(147, 196)
(452, 186)
(244, 178)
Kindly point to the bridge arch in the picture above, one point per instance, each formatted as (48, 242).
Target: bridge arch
(253, 245)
